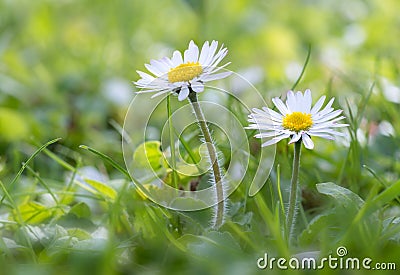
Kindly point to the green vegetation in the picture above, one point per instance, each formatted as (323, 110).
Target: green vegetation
(68, 204)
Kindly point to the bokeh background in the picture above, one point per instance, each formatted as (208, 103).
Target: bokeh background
(67, 66)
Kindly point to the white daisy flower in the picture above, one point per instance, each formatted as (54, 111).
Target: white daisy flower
(182, 74)
(297, 120)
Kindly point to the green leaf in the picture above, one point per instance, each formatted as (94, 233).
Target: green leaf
(6, 243)
(102, 188)
(79, 233)
(91, 245)
(32, 212)
(313, 230)
(342, 196)
(81, 210)
(149, 156)
(386, 196)
(43, 234)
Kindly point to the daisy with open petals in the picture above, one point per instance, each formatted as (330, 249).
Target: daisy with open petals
(297, 120)
(182, 74)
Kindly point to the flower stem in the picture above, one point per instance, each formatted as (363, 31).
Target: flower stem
(172, 144)
(219, 218)
(290, 221)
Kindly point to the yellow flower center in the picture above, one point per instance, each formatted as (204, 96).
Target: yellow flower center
(185, 72)
(297, 121)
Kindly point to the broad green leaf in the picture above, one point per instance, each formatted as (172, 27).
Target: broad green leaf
(43, 234)
(60, 246)
(342, 196)
(32, 213)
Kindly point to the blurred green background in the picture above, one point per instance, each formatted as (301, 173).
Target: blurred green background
(66, 69)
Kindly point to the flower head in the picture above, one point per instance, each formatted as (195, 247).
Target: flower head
(297, 120)
(179, 74)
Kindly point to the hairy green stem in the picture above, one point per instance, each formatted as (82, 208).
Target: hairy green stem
(290, 218)
(172, 144)
(213, 158)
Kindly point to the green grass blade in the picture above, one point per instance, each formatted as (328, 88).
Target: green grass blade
(107, 159)
(28, 161)
(304, 68)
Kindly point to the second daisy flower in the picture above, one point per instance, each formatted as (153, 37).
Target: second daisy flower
(297, 120)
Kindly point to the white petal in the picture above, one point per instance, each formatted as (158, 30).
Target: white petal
(211, 70)
(275, 140)
(212, 77)
(263, 117)
(295, 138)
(204, 52)
(192, 53)
(327, 131)
(266, 134)
(167, 61)
(328, 116)
(197, 87)
(153, 70)
(195, 53)
(257, 127)
(307, 100)
(281, 107)
(160, 65)
(177, 58)
(149, 91)
(272, 113)
(145, 76)
(308, 143)
(269, 142)
(327, 109)
(211, 52)
(299, 98)
(183, 93)
(328, 125)
(291, 101)
(218, 57)
(322, 135)
(262, 126)
(160, 93)
(318, 105)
